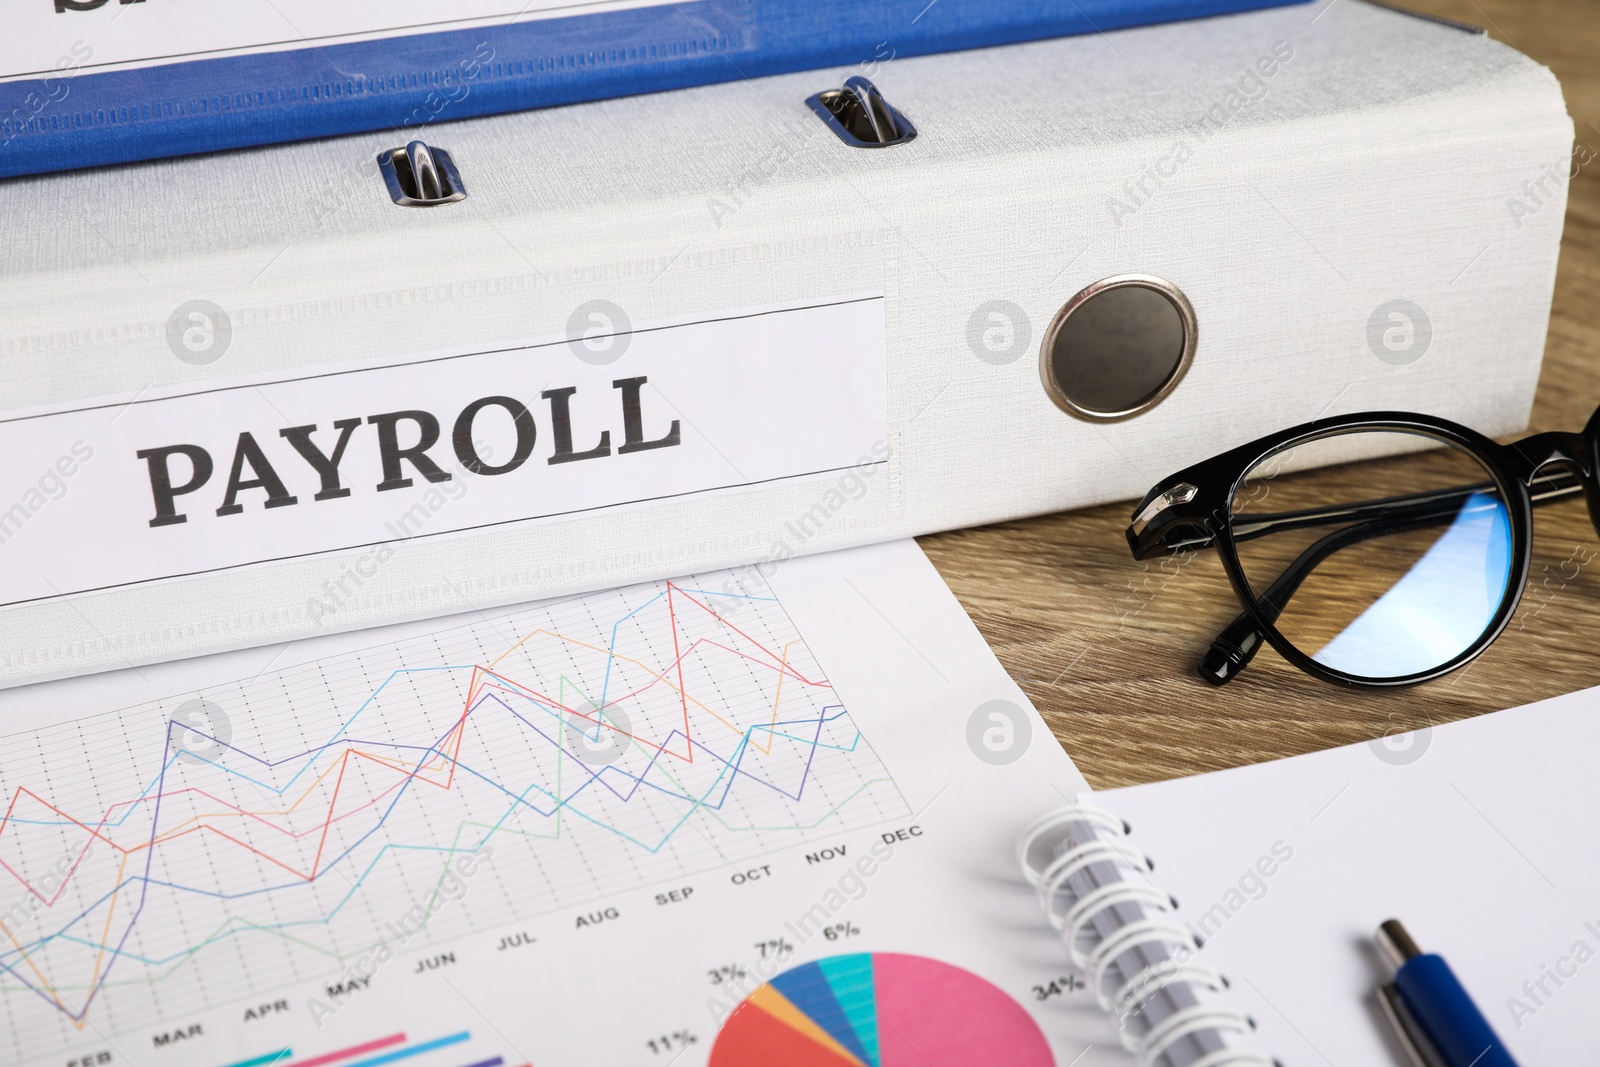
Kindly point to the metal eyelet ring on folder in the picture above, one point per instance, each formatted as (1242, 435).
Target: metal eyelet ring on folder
(860, 116)
(1118, 348)
(420, 176)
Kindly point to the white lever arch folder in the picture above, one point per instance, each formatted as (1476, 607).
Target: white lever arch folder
(697, 329)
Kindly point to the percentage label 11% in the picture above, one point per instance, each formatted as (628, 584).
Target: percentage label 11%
(676, 1041)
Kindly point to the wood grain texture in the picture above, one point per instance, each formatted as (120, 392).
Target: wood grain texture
(1106, 647)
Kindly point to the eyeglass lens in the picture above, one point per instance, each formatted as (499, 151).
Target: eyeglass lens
(1381, 554)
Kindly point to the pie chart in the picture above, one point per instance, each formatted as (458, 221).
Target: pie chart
(879, 1009)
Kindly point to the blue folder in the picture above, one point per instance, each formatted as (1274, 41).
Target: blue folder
(405, 82)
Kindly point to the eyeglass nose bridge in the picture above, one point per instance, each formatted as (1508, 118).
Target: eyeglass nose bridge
(1574, 451)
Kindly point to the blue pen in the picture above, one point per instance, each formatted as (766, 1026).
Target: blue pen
(1430, 1011)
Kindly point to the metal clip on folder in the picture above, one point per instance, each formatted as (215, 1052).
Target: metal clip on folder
(860, 115)
(420, 176)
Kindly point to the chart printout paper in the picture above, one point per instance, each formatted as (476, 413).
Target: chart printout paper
(582, 831)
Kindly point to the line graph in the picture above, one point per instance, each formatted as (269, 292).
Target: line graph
(175, 855)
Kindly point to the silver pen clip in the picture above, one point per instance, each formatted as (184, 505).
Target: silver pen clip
(1419, 1049)
(1397, 947)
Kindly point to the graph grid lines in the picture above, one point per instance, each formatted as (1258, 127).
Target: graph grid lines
(185, 853)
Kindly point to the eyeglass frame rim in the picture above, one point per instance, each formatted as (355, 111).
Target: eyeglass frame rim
(1216, 481)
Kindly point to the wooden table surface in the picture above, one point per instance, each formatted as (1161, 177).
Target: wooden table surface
(1106, 649)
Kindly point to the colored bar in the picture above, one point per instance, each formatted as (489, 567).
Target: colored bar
(415, 1050)
(496, 1062)
(355, 1050)
(265, 1061)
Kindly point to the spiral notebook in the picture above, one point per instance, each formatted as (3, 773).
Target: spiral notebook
(1229, 919)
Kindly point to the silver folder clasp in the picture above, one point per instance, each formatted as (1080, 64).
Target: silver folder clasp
(420, 176)
(860, 116)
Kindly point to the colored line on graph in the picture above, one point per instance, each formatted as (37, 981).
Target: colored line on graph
(390, 767)
(355, 1050)
(415, 1050)
(271, 1059)
(496, 1062)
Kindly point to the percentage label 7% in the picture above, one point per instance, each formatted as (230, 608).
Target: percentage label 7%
(776, 947)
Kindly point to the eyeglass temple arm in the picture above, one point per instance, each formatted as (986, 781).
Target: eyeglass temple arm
(1555, 485)
(1238, 643)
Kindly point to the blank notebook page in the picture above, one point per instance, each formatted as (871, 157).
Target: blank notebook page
(1480, 836)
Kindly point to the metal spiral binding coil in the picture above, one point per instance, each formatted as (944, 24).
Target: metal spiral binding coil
(1119, 929)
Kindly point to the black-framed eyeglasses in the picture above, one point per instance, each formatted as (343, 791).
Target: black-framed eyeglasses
(1384, 548)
